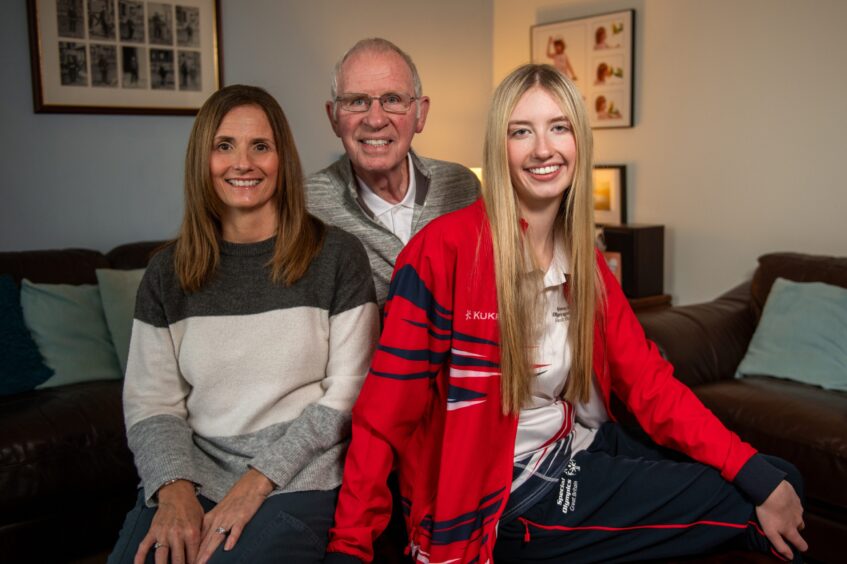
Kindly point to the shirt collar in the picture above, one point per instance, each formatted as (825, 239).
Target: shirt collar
(377, 205)
(557, 272)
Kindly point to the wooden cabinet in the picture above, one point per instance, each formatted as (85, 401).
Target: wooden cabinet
(642, 249)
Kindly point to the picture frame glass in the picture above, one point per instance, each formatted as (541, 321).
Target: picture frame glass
(596, 53)
(609, 191)
(124, 56)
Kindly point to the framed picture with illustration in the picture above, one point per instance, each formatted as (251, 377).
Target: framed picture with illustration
(124, 56)
(596, 53)
(609, 194)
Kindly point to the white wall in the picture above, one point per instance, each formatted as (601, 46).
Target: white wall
(740, 122)
(738, 147)
(99, 181)
(291, 47)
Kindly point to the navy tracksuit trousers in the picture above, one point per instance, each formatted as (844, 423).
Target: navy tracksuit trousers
(626, 499)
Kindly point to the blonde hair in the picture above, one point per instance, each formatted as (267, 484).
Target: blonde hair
(299, 235)
(517, 292)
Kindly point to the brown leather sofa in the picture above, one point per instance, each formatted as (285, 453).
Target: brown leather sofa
(67, 478)
(803, 424)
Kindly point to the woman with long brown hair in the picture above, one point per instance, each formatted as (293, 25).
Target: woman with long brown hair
(505, 337)
(252, 335)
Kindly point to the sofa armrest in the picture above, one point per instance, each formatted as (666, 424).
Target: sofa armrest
(704, 342)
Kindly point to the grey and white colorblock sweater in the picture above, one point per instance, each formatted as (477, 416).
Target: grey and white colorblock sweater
(333, 196)
(247, 373)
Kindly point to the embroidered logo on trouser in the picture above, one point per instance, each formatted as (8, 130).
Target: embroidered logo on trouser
(568, 488)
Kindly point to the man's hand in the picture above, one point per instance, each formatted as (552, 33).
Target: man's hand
(228, 519)
(175, 530)
(781, 516)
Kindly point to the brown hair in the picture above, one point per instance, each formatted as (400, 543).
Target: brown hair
(299, 235)
(516, 292)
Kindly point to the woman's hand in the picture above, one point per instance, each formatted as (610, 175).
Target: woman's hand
(228, 519)
(175, 527)
(781, 516)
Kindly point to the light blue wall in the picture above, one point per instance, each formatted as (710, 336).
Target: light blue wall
(98, 181)
(80, 180)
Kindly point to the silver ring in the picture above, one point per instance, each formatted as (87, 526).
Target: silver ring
(221, 530)
(159, 545)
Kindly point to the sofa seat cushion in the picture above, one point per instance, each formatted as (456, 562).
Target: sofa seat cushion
(60, 446)
(804, 424)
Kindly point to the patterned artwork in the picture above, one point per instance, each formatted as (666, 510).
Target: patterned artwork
(101, 53)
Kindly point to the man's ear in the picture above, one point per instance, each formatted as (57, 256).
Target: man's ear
(331, 115)
(423, 109)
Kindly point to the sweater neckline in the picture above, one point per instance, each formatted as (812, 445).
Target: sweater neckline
(247, 249)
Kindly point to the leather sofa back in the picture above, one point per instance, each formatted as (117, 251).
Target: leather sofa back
(74, 266)
(795, 267)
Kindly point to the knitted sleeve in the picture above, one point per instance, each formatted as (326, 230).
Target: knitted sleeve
(154, 391)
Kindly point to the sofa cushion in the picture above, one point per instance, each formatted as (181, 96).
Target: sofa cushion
(804, 424)
(797, 267)
(802, 335)
(68, 324)
(23, 367)
(117, 292)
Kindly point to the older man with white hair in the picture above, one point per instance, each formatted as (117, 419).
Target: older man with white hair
(381, 190)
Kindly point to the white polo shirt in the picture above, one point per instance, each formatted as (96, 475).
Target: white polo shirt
(396, 217)
(546, 416)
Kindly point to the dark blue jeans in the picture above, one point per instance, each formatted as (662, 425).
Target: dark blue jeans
(289, 527)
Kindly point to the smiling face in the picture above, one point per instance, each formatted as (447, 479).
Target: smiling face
(542, 150)
(376, 141)
(244, 166)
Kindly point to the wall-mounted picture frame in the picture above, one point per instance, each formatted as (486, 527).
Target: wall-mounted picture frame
(609, 185)
(124, 56)
(597, 54)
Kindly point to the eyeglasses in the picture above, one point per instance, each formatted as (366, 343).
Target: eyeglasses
(391, 102)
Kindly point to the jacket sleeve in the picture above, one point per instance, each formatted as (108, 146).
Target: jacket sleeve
(400, 385)
(665, 407)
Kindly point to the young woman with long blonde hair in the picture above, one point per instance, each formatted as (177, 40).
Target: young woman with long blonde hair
(505, 336)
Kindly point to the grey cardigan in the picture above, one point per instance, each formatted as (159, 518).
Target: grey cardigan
(333, 197)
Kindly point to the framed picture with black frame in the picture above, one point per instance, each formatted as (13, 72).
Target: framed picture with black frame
(609, 187)
(596, 53)
(124, 56)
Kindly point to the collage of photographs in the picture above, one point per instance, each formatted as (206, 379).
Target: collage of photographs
(129, 44)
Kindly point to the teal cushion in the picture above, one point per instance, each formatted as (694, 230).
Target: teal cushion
(22, 367)
(117, 292)
(68, 325)
(801, 336)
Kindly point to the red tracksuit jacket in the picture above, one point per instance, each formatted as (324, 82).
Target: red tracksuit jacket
(431, 402)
